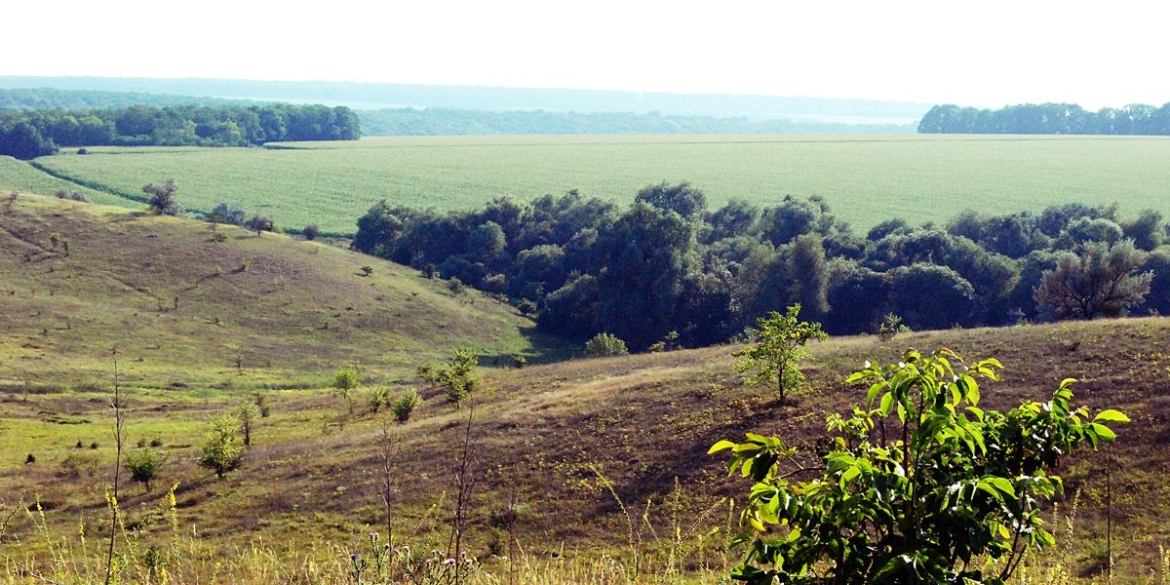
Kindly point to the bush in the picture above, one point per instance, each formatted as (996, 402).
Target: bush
(221, 454)
(604, 344)
(951, 487)
(311, 232)
(379, 397)
(225, 213)
(79, 464)
(405, 404)
(144, 465)
(260, 223)
(162, 197)
(890, 326)
(457, 377)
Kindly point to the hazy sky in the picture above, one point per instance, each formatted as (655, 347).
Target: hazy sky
(989, 53)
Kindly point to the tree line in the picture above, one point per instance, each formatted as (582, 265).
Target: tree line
(27, 134)
(1050, 118)
(448, 122)
(669, 268)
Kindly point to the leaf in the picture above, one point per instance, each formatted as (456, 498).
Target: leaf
(1111, 416)
(887, 404)
(1001, 484)
(1105, 433)
(720, 446)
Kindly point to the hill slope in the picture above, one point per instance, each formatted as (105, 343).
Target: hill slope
(182, 300)
(557, 446)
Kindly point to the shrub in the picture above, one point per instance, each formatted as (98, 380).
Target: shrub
(917, 486)
(225, 213)
(221, 454)
(379, 397)
(78, 464)
(311, 232)
(259, 224)
(890, 326)
(144, 465)
(605, 344)
(162, 197)
(457, 377)
(456, 286)
(405, 404)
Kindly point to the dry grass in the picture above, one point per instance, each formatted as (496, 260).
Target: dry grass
(602, 463)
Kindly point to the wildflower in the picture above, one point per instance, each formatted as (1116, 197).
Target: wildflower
(868, 365)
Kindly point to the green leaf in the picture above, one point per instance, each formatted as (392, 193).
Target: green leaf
(1102, 431)
(1111, 416)
(720, 446)
(1001, 484)
(887, 404)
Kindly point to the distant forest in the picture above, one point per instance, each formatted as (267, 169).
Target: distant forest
(667, 263)
(1134, 119)
(449, 122)
(27, 134)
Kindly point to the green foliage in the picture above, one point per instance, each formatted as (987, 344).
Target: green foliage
(311, 232)
(918, 485)
(246, 413)
(890, 326)
(378, 397)
(405, 404)
(457, 378)
(80, 464)
(345, 381)
(774, 358)
(162, 197)
(605, 344)
(221, 453)
(144, 465)
(1101, 282)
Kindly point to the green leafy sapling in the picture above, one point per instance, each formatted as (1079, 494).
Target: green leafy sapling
(919, 485)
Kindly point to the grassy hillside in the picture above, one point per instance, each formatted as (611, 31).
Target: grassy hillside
(589, 458)
(184, 303)
(866, 179)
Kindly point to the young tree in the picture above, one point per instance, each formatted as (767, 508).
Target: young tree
(916, 486)
(221, 454)
(781, 347)
(162, 197)
(144, 465)
(457, 378)
(246, 413)
(1098, 283)
(345, 381)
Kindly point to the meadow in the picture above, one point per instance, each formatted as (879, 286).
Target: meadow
(866, 179)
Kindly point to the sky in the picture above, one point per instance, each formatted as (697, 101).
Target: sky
(987, 54)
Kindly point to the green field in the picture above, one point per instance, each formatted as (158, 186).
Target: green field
(866, 179)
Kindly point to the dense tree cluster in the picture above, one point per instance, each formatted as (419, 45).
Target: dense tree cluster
(669, 264)
(32, 133)
(1047, 119)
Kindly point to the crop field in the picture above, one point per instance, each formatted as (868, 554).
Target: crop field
(866, 179)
